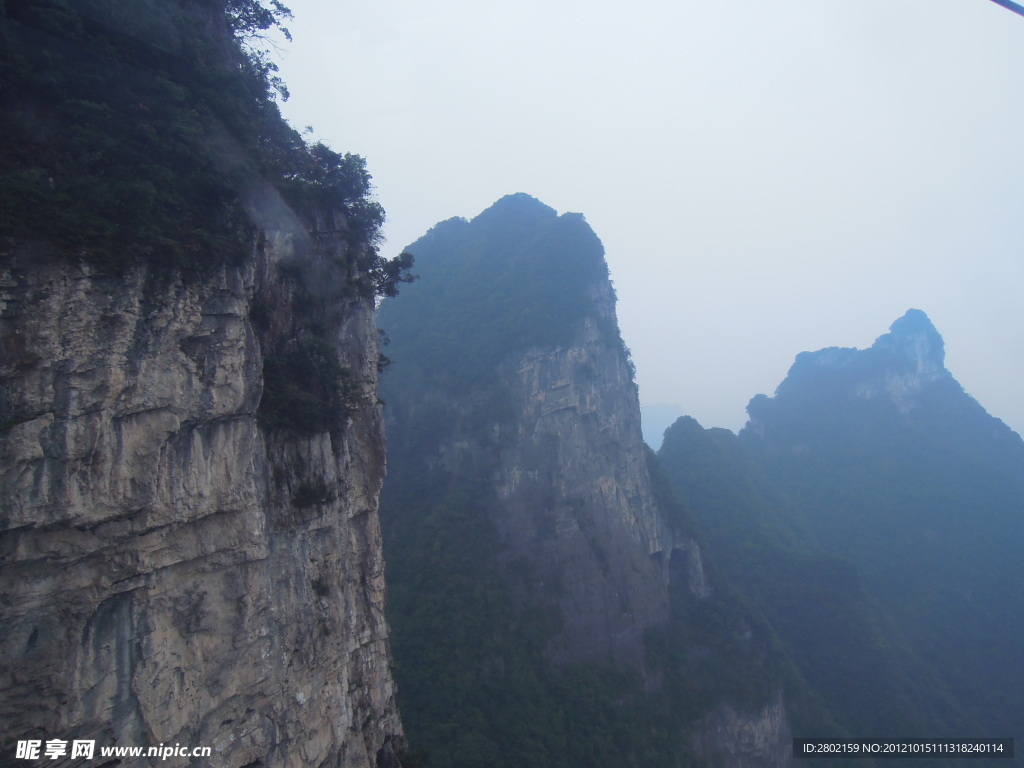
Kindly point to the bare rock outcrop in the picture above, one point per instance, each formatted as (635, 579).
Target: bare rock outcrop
(577, 494)
(171, 571)
(738, 739)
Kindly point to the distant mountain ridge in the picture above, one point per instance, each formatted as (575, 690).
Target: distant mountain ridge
(904, 368)
(877, 465)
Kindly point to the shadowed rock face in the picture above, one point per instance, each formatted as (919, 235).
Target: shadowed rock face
(523, 508)
(576, 495)
(167, 575)
(545, 413)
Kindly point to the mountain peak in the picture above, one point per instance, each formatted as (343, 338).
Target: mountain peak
(902, 362)
(518, 205)
(913, 320)
(914, 339)
(898, 368)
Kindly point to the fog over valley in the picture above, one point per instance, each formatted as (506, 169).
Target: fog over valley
(767, 178)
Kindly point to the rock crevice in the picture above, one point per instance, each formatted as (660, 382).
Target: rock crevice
(163, 579)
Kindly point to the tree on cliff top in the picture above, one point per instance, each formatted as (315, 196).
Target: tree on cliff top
(148, 129)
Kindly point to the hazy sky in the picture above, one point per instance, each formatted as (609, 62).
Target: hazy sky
(767, 176)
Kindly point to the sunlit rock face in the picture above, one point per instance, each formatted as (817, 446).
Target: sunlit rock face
(167, 574)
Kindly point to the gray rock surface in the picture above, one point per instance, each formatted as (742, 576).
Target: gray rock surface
(158, 581)
(736, 739)
(577, 493)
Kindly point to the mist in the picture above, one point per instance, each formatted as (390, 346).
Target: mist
(767, 178)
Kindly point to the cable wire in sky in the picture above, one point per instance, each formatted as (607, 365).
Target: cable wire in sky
(1018, 9)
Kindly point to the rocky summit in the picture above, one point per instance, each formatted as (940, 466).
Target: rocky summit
(526, 531)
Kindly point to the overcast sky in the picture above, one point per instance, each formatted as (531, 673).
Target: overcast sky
(767, 176)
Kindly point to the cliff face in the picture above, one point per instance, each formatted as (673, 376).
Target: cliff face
(537, 564)
(529, 391)
(577, 504)
(576, 498)
(171, 571)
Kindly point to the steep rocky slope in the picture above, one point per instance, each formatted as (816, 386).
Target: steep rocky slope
(887, 507)
(532, 556)
(170, 571)
(558, 437)
(191, 445)
(576, 498)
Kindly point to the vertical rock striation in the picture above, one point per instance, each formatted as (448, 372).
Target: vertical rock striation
(171, 571)
(509, 348)
(576, 495)
(530, 537)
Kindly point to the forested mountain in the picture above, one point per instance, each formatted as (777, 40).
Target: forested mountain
(876, 513)
(192, 451)
(550, 604)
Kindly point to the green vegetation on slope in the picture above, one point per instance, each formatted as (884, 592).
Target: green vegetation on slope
(515, 276)
(863, 680)
(929, 505)
(147, 130)
(875, 514)
(470, 626)
(474, 685)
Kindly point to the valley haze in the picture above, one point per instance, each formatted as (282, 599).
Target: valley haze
(766, 178)
(197, 543)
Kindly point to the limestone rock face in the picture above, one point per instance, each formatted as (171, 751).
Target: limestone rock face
(577, 494)
(166, 575)
(510, 375)
(910, 357)
(736, 739)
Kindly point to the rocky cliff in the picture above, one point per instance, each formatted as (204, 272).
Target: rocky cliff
(173, 567)
(557, 435)
(532, 556)
(576, 495)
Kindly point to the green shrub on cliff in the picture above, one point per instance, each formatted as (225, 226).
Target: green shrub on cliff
(148, 130)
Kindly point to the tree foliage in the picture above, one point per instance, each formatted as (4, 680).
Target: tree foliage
(862, 555)
(148, 130)
(249, 21)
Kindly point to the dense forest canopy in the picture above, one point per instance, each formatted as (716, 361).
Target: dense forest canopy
(149, 129)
